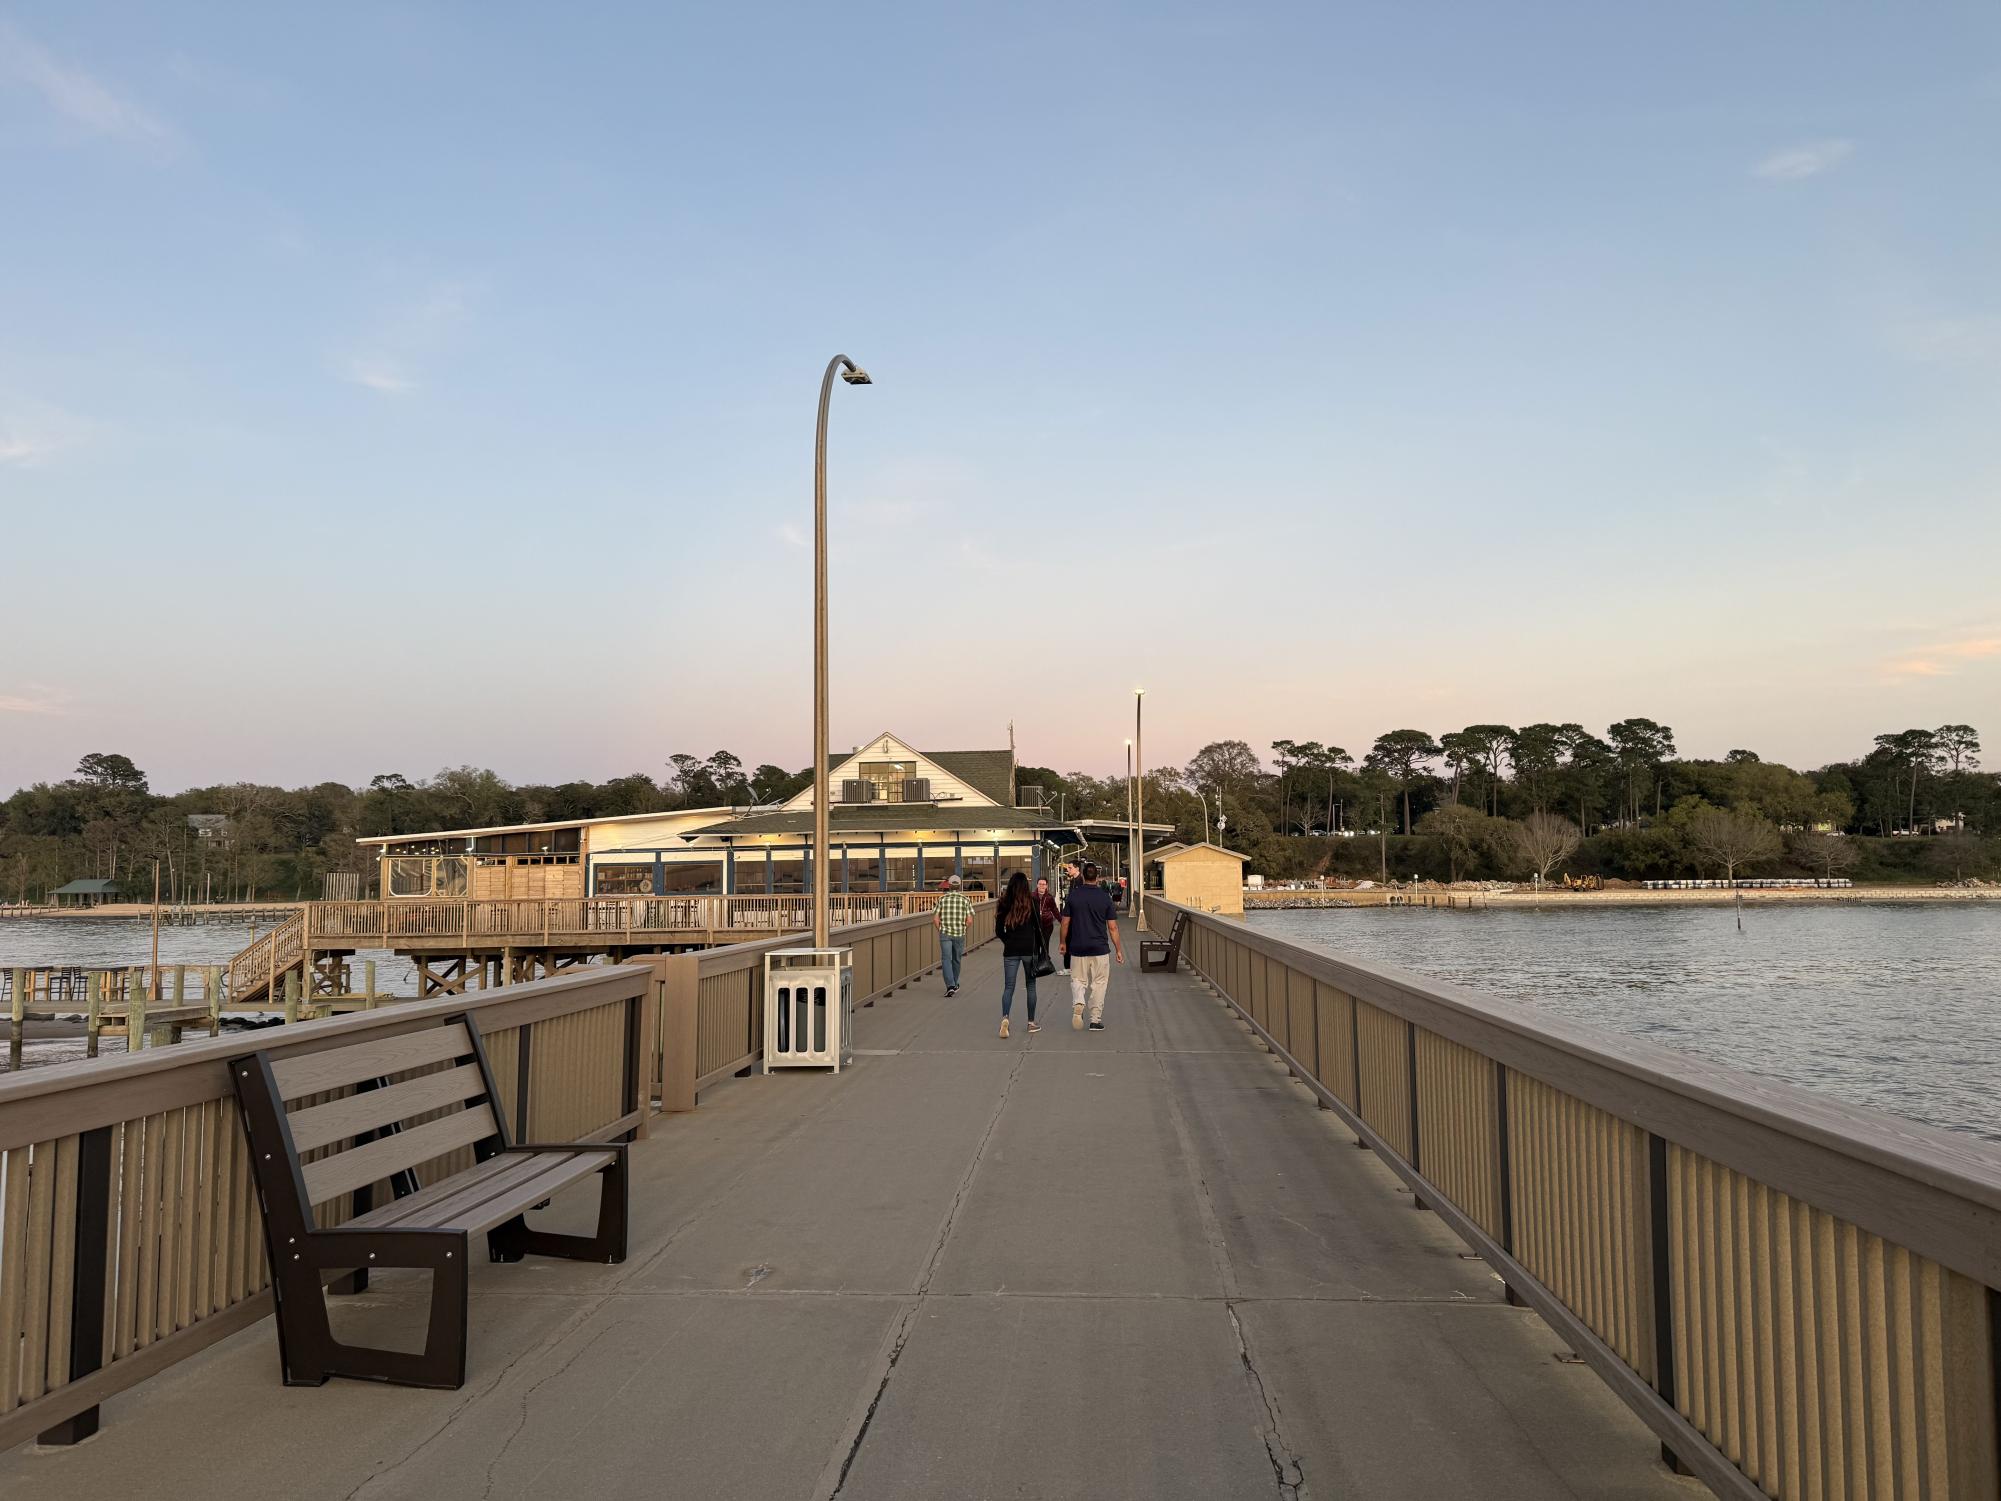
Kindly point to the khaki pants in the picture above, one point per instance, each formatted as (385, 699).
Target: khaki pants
(1090, 976)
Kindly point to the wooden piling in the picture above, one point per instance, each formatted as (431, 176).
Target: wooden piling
(135, 1012)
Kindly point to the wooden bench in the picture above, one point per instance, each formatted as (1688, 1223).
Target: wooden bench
(1167, 949)
(376, 1133)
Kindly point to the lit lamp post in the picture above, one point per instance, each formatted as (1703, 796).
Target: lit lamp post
(854, 375)
(1139, 815)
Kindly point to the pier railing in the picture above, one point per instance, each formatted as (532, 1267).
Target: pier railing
(709, 1006)
(1797, 1295)
(528, 921)
(129, 1227)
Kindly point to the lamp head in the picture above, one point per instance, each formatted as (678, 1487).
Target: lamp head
(854, 375)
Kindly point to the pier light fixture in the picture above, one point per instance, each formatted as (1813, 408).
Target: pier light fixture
(1139, 814)
(854, 375)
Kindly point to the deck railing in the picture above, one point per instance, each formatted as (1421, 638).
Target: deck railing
(531, 920)
(129, 1227)
(1796, 1294)
(259, 965)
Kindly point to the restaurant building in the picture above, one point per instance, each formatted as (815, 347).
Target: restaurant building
(900, 819)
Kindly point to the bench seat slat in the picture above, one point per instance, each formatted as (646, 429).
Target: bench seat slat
(332, 1176)
(412, 1209)
(479, 1212)
(334, 1067)
(472, 1204)
(337, 1120)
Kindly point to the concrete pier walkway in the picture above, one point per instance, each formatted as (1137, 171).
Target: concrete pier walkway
(1137, 1263)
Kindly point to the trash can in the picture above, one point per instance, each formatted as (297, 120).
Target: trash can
(809, 1008)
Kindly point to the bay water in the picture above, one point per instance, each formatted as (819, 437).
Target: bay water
(1893, 1006)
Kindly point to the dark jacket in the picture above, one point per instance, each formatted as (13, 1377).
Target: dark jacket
(1051, 913)
(1024, 938)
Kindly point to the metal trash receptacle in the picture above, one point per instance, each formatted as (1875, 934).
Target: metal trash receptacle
(809, 1008)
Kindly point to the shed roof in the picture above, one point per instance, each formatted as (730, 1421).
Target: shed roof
(532, 828)
(885, 818)
(1176, 851)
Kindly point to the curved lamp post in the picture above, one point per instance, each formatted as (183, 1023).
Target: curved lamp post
(854, 375)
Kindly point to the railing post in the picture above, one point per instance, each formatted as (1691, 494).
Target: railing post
(1504, 1174)
(1410, 1049)
(1355, 1060)
(671, 1034)
(88, 1265)
(1663, 1284)
(135, 1012)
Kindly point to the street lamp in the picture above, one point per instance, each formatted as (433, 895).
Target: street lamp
(854, 375)
(1129, 812)
(1139, 817)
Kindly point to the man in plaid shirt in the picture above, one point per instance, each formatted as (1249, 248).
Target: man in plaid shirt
(953, 915)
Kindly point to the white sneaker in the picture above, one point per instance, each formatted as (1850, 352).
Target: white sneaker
(1077, 1016)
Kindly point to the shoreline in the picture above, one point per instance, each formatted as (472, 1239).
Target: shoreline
(244, 911)
(1476, 898)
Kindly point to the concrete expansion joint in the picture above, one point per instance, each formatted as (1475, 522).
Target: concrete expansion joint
(909, 1319)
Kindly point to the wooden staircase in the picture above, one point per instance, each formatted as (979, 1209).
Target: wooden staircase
(258, 972)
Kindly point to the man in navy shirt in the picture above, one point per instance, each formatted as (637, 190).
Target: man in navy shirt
(1090, 938)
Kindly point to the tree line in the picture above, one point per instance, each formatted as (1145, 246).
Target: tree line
(245, 841)
(1499, 801)
(1489, 800)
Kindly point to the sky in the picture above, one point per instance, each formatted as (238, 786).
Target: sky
(390, 387)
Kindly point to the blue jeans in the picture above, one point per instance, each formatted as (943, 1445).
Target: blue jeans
(951, 952)
(1026, 964)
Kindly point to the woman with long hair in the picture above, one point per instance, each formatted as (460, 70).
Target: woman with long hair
(1018, 925)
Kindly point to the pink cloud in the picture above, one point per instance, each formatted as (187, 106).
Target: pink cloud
(1934, 660)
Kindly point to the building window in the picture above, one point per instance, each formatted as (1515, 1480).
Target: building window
(864, 872)
(889, 777)
(624, 880)
(899, 873)
(1019, 858)
(694, 877)
(409, 877)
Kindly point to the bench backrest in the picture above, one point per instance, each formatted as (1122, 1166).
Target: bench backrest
(373, 1132)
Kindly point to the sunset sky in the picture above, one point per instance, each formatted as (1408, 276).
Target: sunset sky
(386, 387)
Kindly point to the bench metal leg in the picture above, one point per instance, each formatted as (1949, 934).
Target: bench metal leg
(514, 1240)
(307, 1349)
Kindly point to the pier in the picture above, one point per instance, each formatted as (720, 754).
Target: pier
(1149, 1262)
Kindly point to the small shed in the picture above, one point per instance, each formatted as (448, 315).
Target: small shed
(88, 892)
(1206, 877)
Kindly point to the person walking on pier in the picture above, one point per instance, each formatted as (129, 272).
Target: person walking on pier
(1019, 926)
(1090, 938)
(1046, 908)
(952, 916)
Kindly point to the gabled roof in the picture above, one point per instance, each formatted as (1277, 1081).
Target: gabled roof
(88, 886)
(988, 772)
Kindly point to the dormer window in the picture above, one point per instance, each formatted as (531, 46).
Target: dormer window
(893, 780)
